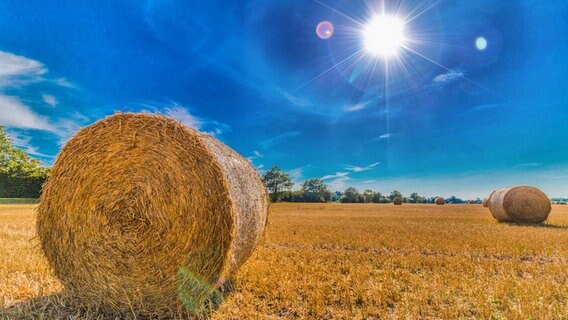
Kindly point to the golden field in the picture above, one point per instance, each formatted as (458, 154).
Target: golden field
(349, 261)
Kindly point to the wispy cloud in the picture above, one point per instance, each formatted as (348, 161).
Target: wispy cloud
(185, 116)
(23, 141)
(297, 101)
(65, 83)
(448, 77)
(488, 107)
(356, 107)
(339, 183)
(338, 180)
(49, 99)
(334, 176)
(383, 136)
(270, 142)
(296, 175)
(17, 70)
(256, 155)
(15, 114)
(530, 165)
(361, 169)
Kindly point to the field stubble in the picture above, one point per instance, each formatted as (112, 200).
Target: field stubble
(340, 261)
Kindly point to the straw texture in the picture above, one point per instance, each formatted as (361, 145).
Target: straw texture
(522, 204)
(144, 215)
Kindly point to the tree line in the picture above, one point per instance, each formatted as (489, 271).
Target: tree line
(20, 175)
(279, 186)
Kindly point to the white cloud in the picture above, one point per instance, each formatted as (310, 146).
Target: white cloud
(334, 176)
(530, 165)
(297, 175)
(270, 142)
(356, 107)
(24, 142)
(18, 71)
(360, 169)
(49, 99)
(256, 155)
(65, 83)
(338, 184)
(16, 114)
(338, 181)
(13, 67)
(383, 136)
(297, 101)
(182, 114)
(449, 76)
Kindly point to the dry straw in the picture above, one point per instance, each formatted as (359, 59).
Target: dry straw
(397, 201)
(142, 214)
(522, 204)
(440, 201)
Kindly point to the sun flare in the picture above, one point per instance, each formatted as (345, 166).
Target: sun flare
(384, 36)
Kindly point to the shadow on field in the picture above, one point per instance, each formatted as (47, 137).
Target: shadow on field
(542, 225)
(56, 306)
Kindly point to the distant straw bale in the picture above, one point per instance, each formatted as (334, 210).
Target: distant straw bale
(397, 201)
(142, 214)
(440, 201)
(522, 204)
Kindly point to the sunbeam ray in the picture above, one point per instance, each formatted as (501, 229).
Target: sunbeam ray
(329, 70)
(461, 76)
(338, 12)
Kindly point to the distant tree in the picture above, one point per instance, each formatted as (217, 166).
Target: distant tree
(368, 195)
(417, 199)
(315, 190)
(20, 175)
(454, 199)
(276, 182)
(336, 196)
(377, 197)
(395, 194)
(352, 195)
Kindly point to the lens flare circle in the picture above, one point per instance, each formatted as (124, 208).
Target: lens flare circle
(384, 35)
(325, 30)
(481, 43)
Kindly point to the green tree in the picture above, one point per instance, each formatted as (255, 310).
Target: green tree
(395, 194)
(315, 190)
(377, 197)
(20, 175)
(276, 181)
(368, 195)
(352, 195)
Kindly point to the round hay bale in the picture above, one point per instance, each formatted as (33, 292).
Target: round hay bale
(485, 202)
(440, 201)
(522, 204)
(142, 214)
(397, 201)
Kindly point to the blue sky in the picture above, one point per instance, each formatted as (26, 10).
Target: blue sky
(441, 118)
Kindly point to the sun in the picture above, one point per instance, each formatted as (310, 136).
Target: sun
(383, 36)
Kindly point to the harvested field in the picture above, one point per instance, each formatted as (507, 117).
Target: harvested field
(347, 261)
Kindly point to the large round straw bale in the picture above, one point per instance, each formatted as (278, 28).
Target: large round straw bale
(440, 201)
(523, 204)
(397, 201)
(142, 214)
(485, 202)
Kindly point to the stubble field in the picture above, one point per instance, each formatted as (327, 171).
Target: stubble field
(340, 261)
